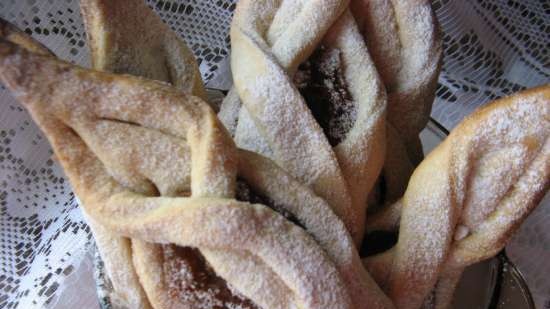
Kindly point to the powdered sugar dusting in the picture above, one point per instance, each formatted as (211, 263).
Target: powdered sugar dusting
(296, 139)
(286, 121)
(248, 137)
(193, 283)
(502, 148)
(467, 196)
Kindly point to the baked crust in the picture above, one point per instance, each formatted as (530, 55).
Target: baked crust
(99, 13)
(467, 197)
(127, 37)
(404, 41)
(270, 39)
(155, 165)
(110, 145)
(11, 33)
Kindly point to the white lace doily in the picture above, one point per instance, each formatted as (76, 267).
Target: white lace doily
(492, 48)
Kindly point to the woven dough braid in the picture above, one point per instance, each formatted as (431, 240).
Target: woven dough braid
(467, 197)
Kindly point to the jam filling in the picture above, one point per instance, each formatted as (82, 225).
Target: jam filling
(378, 196)
(377, 242)
(321, 82)
(192, 281)
(245, 193)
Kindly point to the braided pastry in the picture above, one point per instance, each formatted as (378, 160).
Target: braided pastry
(125, 36)
(115, 250)
(335, 147)
(467, 197)
(198, 223)
(110, 145)
(403, 39)
(241, 265)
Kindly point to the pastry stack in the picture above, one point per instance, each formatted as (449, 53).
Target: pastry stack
(270, 202)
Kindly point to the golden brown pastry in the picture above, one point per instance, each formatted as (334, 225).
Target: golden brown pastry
(312, 99)
(241, 264)
(10, 33)
(467, 197)
(126, 36)
(133, 171)
(403, 39)
(192, 222)
(115, 250)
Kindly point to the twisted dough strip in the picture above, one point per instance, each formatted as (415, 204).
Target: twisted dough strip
(126, 36)
(403, 38)
(241, 264)
(115, 115)
(115, 250)
(407, 53)
(10, 33)
(317, 218)
(467, 197)
(291, 40)
(275, 119)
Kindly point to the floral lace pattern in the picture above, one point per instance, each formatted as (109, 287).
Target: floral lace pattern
(491, 48)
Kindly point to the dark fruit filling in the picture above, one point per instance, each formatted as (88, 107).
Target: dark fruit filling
(191, 280)
(245, 193)
(378, 242)
(321, 82)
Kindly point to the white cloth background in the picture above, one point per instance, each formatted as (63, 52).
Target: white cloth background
(492, 48)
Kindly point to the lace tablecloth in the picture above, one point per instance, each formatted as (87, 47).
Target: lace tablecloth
(492, 48)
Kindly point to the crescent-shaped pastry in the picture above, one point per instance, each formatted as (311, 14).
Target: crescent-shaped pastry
(133, 171)
(467, 197)
(312, 99)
